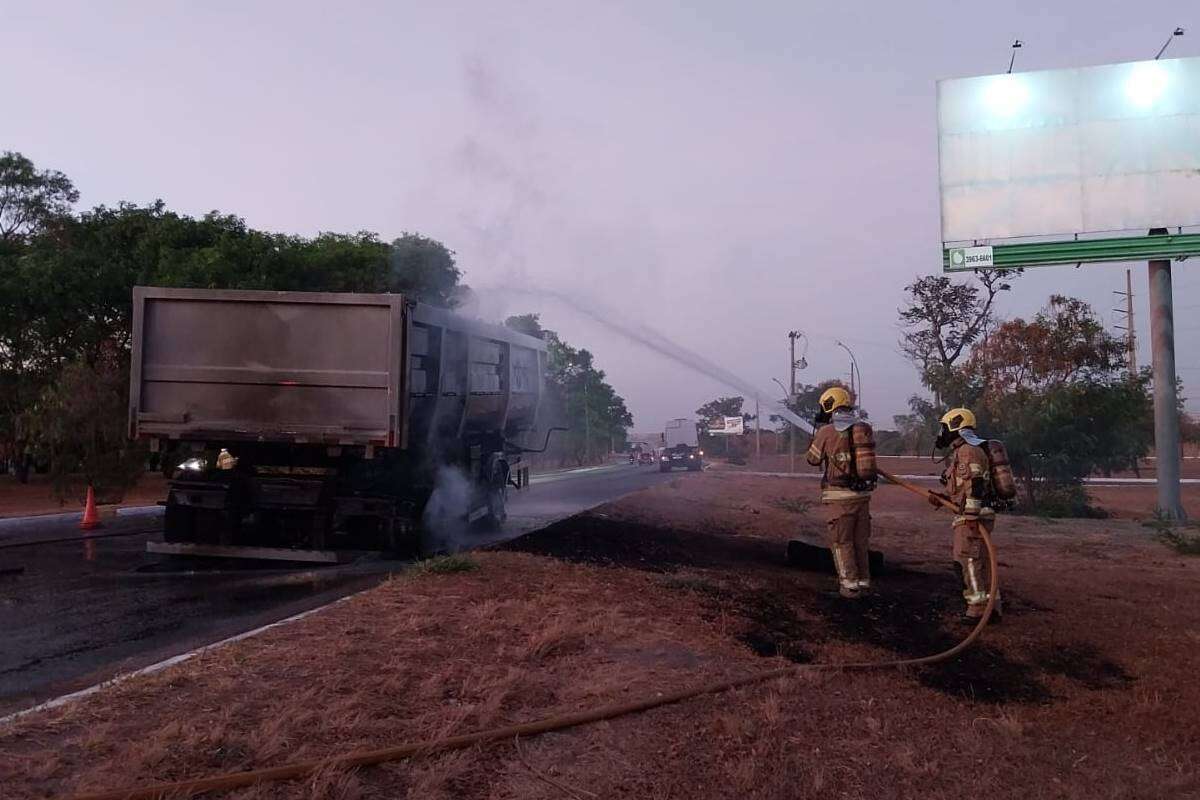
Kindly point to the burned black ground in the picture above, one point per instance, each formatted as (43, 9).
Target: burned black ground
(787, 612)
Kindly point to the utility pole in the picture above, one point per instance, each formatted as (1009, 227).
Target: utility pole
(1128, 327)
(587, 423)
(1166, 408)
(757, 432)
(792, 335)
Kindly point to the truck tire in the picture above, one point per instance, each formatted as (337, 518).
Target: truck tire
(497, 501)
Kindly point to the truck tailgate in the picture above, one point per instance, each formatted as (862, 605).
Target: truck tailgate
(268, 366)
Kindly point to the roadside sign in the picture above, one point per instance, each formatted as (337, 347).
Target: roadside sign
(726, 426)
(970, 258)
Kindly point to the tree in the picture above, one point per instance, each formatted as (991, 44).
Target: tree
(1063, 343)
(30, 198)
(424, 269)
(80, 421)
(944, 319)
(722, 407)
(1057, 436)
(1189, 428)
(1055, 390)
(918, 429)
(578, 396)
(528, 324)
(715, 409)
(65, 288)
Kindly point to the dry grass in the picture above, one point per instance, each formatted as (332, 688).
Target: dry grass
(439, 652)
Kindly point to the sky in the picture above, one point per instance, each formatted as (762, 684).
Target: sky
(721, 172)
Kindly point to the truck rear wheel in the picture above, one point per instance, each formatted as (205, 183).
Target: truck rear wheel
(497, 501)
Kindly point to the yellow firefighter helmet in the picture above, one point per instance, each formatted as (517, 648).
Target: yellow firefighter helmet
(958, 418)
(835, 397)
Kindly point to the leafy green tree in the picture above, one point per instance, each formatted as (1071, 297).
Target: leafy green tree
(918, 429)
(66, 280)
(32, 202)
(30, 198)
(424, 269)
(1055, 390)
(80, 421)
(1059, 435)
(711, 411)
(579, 397)
(722, 407)
(528, 324)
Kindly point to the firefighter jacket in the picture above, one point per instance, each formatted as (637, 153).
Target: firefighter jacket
(831, 449)
(968, 479)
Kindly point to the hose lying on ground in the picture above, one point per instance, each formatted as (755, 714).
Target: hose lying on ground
(363, 758)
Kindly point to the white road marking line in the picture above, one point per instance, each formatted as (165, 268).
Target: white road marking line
(170, 662)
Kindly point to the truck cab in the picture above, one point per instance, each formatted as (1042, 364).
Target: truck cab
(681, 447)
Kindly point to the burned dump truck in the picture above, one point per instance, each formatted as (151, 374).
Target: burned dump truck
(307, 426)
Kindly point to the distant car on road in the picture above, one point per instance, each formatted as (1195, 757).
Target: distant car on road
(645, 457)
(681, 456)
(681, 447)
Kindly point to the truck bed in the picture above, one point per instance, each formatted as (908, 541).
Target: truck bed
(268, 366)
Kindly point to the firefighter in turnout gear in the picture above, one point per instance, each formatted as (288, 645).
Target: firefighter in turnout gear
(968, 480)
(844, 446)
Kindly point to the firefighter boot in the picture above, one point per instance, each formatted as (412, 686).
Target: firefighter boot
(843, 560)
(974, 591)
(863, 563)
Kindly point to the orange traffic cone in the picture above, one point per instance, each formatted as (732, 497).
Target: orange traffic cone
(90, 518)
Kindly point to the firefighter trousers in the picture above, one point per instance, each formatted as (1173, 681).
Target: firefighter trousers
(971, 555)
(848, 532)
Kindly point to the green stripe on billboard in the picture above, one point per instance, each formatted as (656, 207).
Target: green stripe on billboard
(1041, 254)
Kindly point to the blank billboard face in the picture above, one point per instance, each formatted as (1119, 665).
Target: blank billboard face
(1060, 152)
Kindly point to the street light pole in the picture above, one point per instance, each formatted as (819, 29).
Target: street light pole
(757, 432)
(793, 365)
(792, 429)
(791, 394)
(855, 387)
(587, 423)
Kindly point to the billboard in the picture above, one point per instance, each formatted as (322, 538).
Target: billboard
(726, 426)
(1073, 151)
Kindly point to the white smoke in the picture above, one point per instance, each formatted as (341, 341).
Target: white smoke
(640, 333)
(444, 524)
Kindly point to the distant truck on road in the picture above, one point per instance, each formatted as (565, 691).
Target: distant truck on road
(681, 447)
(313, 425)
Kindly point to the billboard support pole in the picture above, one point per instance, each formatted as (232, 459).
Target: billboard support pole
(1166, 408)
(791, 399)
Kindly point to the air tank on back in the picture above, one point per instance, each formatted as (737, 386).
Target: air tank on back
(862, 440)
(1003, 483)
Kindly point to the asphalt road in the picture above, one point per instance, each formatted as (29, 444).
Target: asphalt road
(75, 613)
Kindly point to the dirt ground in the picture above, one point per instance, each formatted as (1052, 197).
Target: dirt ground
(1086, 689)
(37, 496)
(924, 465)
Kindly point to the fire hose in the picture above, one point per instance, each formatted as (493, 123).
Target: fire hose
(363, 758)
